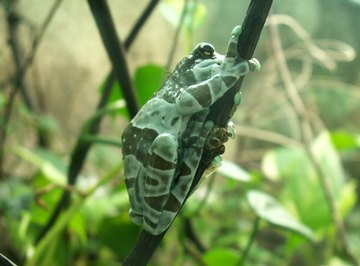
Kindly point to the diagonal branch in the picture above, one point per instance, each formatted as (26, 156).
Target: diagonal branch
(115, 51)
(220, 113)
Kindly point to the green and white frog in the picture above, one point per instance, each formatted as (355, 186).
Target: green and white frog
(164, 143)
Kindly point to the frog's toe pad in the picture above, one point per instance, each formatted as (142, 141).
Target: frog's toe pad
(254, 65)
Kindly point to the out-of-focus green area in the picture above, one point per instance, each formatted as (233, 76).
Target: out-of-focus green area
(288, 190)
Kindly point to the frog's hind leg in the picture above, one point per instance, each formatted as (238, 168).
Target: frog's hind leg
(134, 172)
(189, 165)
(161, 168)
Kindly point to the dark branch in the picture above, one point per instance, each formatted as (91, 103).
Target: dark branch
(191, 235)
(82, 147)
(115, 51)
(4, 261)
(220, 113)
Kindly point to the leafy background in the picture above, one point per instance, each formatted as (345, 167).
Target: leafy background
(287, 193)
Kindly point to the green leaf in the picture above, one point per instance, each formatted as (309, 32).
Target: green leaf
(78, 227)
(221, 256)
(148, 80)
(115, 95)
(335, 261)
(330, 163)
(48, 163)
(269, 209)
(303, 190)
(119, 234)
(233, 171)
(343, 140)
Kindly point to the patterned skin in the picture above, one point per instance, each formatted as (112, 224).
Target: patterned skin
(164, 143)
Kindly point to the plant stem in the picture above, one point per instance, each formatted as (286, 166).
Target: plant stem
(61, 224)
(95, 139)
(254, 232)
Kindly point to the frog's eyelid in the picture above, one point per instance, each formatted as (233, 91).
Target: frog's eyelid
(207, 49)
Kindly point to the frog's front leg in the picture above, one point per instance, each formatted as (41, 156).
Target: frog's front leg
(202, 95)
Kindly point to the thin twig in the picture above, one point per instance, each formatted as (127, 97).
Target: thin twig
(266, 135)
(177, 35)
(13, 20)
(307, 133)
(39, 36)
(140, 23)
(20, 76)
(191, 235)
(82, 146)
(220, 114)
(4, 261)
(253, 235)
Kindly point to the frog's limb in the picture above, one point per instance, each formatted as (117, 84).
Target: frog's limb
(189, 165)
(161, 165)
(202, 95)
(214, 145)
(134, 172)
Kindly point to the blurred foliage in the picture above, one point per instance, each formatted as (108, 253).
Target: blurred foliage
(267, 206)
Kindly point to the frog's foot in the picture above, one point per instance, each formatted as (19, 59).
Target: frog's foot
(214, 144)
(254, 65)
(231, 130)
(215, 140)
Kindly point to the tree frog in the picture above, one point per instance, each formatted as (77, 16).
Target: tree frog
(163, 144)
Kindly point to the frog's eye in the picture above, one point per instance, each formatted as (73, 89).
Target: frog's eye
(207, 50)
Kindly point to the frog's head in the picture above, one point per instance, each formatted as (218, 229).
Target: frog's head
(204, 51)
(197, 65)
(206, 61)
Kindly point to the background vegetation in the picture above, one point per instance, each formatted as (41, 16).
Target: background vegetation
(287, 193)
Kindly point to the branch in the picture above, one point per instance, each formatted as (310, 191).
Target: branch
(220, 113)
(177, 34)
(140, 23)
(13, 20)
(115, 51)
(4, 261)
(18, 80)
(82, 146)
